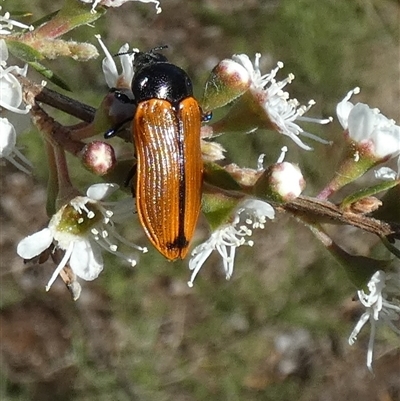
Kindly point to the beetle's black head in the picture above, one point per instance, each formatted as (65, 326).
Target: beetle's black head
(143, 59)
(156, 78)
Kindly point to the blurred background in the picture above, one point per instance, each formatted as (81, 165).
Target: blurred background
(278, 329)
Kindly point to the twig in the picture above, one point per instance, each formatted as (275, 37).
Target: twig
(61, 102)
(324, 211)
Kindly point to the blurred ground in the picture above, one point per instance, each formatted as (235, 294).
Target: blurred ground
(278, 329)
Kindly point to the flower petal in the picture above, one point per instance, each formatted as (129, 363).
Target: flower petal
(100, 191)
(260, 208)
(109, 67)
(344, 108)
(35, 244)
(86, 260)
(387, 141)
(3, 51)
(361, 122)
(8, 137)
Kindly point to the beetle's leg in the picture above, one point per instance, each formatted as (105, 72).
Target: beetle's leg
(123, 98)
(113, 131)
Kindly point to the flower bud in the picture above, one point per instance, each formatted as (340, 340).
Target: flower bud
(365, 205)
(246, 177)
(98, 157)
(212, 151)
(280, 182)
(227, 81)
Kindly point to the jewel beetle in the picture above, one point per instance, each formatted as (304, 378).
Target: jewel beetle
(166, 133)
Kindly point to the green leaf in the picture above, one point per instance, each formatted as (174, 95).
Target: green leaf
(358, 268)
(50, 75)
(31, 56)
(365, 192)
(395, 251)
(73, 14)
(219, 177)
(23, 51)
(78, 13)
(20, 14)
(44, 19)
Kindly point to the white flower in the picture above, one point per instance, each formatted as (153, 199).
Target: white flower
(10, 103)
(8, 150)
(118, 3)
(81, 228)
(113, 79)
(382, 305)
(229, 237)
(280, 109)
(373, 132)
(10, 88)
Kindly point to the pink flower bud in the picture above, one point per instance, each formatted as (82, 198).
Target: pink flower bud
(280, 182)
(98, 157)
(227, 81)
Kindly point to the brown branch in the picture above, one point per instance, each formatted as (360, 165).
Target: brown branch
(326, 212)
(54, 132)
(61, 102)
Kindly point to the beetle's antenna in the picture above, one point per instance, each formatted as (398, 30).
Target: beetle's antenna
(130, 52)
(155, 49)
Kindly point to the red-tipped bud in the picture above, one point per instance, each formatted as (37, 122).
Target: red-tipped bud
(227, 81)
(98, 157)
(280, 182)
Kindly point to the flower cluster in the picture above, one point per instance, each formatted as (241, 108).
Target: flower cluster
(281, 112)
(81, 228)
(231, 236)
(12, 111)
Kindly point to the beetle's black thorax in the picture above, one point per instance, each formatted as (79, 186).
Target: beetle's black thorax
(161, 80)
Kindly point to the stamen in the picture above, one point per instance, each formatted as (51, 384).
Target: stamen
(17, 164)
(106, 245)
(260, 162)
(316, 138)
(130, 244)
(321, 121)
(281, 157)
(61, 266)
